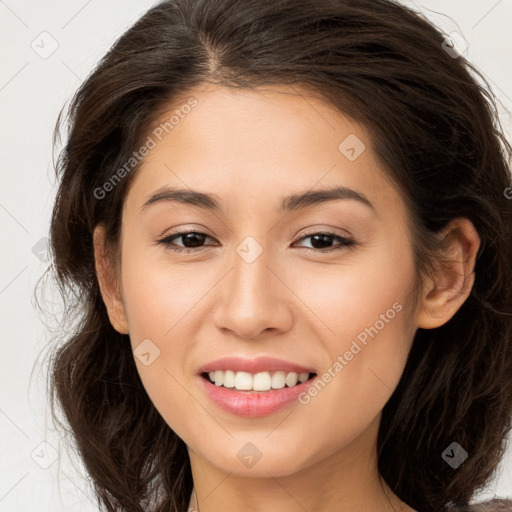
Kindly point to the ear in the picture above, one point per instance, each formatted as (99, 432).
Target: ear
(453, 280)
(107, 279)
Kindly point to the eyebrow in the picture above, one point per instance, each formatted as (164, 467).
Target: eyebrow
(290, 203)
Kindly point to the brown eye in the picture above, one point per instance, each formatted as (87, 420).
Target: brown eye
(323, 241)
(191, 240)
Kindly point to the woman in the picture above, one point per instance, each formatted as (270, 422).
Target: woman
(288, 230)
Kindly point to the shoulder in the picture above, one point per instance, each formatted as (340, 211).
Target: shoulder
(495, 505)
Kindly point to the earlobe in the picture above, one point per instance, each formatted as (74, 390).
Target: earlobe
(108, 282)
(453, 279)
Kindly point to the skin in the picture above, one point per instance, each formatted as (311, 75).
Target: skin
(251, 148)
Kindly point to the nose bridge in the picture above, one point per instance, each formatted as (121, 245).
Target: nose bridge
(252, 299)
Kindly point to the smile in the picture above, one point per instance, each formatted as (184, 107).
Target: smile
(249, 402)
(262, 381)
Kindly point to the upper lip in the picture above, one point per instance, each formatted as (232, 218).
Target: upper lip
(256, 365)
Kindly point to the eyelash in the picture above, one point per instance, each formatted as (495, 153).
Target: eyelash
(167, 242)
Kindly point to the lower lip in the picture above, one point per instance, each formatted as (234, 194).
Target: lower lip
(253, 403)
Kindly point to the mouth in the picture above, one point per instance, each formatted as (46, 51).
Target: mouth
(254, 387)
(257, 397)
(260, 382)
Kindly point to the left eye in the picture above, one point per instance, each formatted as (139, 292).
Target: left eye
(321, 241)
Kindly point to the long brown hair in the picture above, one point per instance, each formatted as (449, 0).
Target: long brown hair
(435, 128)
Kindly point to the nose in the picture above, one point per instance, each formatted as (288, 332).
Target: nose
(254, 299)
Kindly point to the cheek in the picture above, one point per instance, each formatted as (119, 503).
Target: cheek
(363, 321)
(367, 296)
(159, 295)
(159, 302)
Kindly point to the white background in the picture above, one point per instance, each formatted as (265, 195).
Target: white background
(32, 92)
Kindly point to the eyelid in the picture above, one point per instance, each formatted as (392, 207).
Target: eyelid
(185, 228)
(331, 230)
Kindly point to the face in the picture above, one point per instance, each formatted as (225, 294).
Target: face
(323, 284)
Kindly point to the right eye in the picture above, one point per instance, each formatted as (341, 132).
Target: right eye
(194, 239)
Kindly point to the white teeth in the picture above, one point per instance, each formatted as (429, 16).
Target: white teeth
(243, 381)
(303, 377)
(291, 379)
(262, 381)
(278, 380)
(229, 379)
(219, 377)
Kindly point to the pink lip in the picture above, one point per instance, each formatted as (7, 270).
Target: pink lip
(259, 364)
(253, 403)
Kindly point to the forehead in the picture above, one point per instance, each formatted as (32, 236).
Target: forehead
(266, 142)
